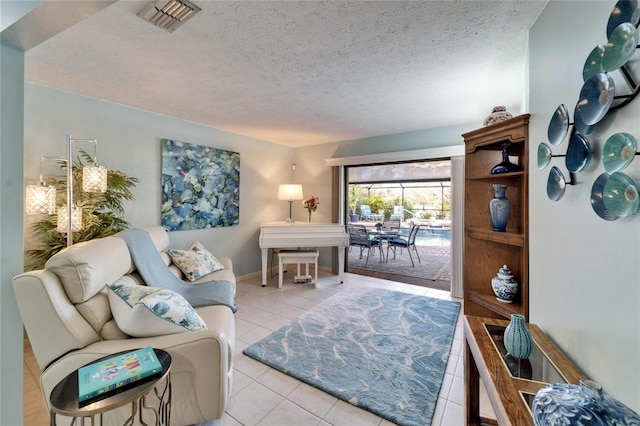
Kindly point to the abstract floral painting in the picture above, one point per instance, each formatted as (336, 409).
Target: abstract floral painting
(200, 186)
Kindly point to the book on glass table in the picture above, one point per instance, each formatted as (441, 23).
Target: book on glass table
(101, 378)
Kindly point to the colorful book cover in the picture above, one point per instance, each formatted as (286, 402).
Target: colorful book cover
(112, 373)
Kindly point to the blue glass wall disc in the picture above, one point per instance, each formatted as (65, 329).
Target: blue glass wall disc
(555, 184)
(578, 153)
(597, 199)
(580, 125)
(623, 11)
(558, 126)
(596, 98)
(593, 64)
(620, 46)
(544, 155)
(620, 195)
(618, 152)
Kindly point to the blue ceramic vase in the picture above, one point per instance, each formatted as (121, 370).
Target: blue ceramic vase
(586, 404)
(505, 166)
(517, 339)
(499, 207)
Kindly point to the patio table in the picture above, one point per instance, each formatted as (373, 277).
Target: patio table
(383, 235)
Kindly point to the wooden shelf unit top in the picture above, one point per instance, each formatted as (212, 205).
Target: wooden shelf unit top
(513, 130)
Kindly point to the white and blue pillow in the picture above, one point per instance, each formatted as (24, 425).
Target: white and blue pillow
(196, 262)
(142, 311)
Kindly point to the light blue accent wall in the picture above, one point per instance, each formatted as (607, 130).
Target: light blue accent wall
(11, 237)
(129, 140)
(52, 114)
(420, 139)
(584, 271)
(12, 10)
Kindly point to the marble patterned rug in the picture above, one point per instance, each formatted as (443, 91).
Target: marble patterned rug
(381, 350)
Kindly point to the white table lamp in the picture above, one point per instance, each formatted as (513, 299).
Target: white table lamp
(290, 192)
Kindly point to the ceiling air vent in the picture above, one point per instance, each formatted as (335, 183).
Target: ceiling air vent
(168, 14)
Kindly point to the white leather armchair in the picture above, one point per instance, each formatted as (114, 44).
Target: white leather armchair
(66, 313)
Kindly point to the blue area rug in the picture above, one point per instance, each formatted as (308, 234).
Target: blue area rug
(381, 350)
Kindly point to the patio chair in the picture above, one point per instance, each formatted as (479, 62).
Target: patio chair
(388, 229)
(360, 237)
(405, 243)
(392, 224)
(398, 213)
(365, 212)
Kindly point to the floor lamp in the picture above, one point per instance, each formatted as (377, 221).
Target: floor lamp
(290, 192)
(41, 198)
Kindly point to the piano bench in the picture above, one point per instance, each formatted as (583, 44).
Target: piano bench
(299, 258)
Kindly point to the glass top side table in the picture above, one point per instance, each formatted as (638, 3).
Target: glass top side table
(510, 383)
(64, 397)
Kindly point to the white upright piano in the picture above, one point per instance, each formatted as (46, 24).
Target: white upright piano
(302, 234)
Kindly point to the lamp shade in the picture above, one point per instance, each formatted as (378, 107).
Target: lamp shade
(63, 219)
(290, 192)
(94, 179)
(40, 199)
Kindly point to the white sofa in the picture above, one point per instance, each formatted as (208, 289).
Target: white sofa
(66, 313)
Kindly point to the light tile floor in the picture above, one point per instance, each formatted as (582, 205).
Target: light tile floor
(264, 396)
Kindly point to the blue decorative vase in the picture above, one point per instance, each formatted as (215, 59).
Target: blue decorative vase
(586, 404)
(499, 207)
(505, 166)
(504, 285)
(517, 339)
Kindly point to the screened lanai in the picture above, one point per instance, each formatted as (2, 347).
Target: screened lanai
(421, 191)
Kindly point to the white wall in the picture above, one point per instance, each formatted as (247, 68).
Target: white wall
(11, 100)
(129, 140)
(584, 271)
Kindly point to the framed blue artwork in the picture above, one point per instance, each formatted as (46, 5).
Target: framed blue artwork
(200, 186)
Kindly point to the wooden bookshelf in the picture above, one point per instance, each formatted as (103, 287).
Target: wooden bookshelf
(486, 250)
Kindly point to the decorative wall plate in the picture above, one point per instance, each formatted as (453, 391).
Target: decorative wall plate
(597, 200)
(578, 153)
(544, 155)
(555, 184)
(620, 195)
(596, 98)
(618, 152)
(580, 125)
(620, 47)
(593, 64)
(558, 126)
(623, 11)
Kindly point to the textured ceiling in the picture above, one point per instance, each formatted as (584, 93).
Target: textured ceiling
(301, 73)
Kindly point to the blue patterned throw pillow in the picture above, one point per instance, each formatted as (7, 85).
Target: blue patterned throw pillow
(196, 262)
(142, 311)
